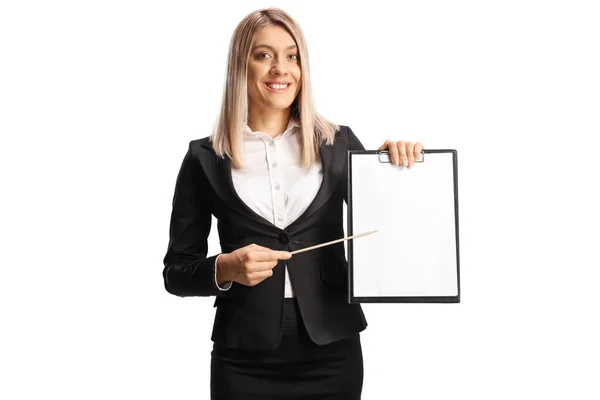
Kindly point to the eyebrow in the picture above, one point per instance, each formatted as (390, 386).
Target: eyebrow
(270, 47)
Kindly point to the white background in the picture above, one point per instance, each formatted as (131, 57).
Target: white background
(99, 100)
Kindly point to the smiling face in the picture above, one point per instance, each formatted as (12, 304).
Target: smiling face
(274, 59)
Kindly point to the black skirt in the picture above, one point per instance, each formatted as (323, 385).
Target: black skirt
(298, 369)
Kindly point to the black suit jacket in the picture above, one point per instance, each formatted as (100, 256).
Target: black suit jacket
(250, 317)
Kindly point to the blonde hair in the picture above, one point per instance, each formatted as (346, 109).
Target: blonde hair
(227, 138)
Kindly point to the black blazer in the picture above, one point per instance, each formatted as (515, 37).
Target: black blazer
(250, 317)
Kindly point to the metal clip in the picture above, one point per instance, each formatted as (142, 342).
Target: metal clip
(387, 159)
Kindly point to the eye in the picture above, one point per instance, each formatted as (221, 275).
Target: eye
(260, 55)
(295, 55)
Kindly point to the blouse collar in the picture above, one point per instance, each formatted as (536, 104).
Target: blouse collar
(292, 123)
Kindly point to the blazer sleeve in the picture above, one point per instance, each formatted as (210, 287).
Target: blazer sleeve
(353, 144)
(187, 269)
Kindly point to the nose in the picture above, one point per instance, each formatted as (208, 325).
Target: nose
(278, 66)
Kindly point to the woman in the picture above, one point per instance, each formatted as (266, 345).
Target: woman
(274, 175)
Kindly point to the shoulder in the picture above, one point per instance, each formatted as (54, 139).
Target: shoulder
(199, 156)
(345, 133)
(342, 132)
(202, 143)
(200, 148)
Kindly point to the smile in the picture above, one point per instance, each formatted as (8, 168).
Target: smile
(278, 88)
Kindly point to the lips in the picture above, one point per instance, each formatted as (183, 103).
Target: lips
(279, 88)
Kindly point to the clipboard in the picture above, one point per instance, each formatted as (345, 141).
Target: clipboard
(414, 256)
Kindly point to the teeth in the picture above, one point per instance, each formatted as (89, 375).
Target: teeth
(277, 86)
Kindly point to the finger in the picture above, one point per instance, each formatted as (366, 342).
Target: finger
(283, 255)
(251, 266)
(261, 266)
(393, 149)
(410, 146)
(257, 277)
(384, 146)
(270, 255)
(418, 150)
(255, 246)
(402, 153)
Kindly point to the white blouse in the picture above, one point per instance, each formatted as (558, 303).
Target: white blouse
(274, 184)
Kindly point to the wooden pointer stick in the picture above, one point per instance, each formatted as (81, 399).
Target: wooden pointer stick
(332, 242)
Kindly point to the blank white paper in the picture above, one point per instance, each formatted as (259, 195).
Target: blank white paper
(413, 254)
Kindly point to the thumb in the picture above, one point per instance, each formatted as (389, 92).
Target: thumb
(284, 255)
(384, 145)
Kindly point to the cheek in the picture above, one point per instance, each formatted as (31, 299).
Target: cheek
(252, 72)
(253, 84)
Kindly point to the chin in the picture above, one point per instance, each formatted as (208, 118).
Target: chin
(280, 106)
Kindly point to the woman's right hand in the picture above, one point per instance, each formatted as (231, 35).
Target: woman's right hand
(249, 265)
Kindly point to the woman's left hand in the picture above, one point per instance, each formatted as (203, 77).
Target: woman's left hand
(402, 152)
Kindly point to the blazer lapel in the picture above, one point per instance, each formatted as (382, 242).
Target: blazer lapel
(333, 160)
(218, 172)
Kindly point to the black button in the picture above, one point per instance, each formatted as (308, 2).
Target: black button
(283, 238)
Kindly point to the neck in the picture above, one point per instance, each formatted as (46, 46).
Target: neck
(272, 122)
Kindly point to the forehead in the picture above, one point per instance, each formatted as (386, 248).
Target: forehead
(274, 36)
